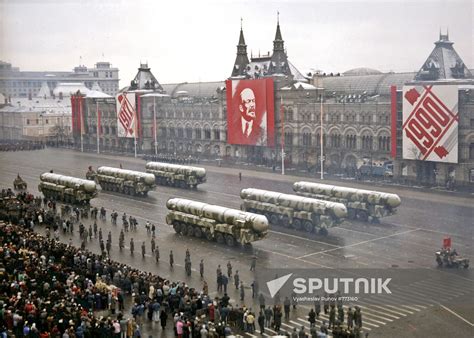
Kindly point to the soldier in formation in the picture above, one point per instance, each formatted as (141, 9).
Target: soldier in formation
(157, 254)
(132, 246)
(236, 279)
(171, 258)
(153, 244)
(187, 265)
(143, 249)
(201, 268)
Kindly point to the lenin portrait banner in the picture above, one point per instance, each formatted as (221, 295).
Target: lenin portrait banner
(127, 121)
(250, 112)
(430, 123)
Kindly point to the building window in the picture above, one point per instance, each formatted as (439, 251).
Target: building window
(189, 133)
(27, 121)
(350, 141)
(217, 134)
(198, 134)
(207, 133)
(288, 139)
(180, 132)
(367, 142)
(471, 151)
(335, 141)
(307, 139)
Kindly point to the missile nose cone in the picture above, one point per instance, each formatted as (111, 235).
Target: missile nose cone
(394, 200)
(340, 210)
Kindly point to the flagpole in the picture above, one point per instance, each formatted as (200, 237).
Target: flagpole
(282, 137)
(82, 121)
(154, 124)
(98, 127)
(321, 140)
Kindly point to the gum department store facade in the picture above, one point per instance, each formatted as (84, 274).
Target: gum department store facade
(191, 118)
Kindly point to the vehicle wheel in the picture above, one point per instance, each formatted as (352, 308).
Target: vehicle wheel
(363, 215)
(190, 230)
(273, 219)
(308, 226)
(182, 184)
(197, 232)
(132, 192)
(230, 240)
(351, 213)
(297, 224)
(374, 220)
(176, 227)
(285, 221)
(208, 235)
(466, 265)
(220, 238)
(323, 232)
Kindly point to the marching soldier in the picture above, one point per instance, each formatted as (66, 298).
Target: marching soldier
(242, 291)
(153, 244)
(229, 269)
(171, 258)
(90, 232)
(188, 255)
(236, 279)
(132, 246)
(350, 318)
(201, 268)
(157, 254)
(188, 267)
(121, 241)
(109, 237)
(95, 229)
(254, 263)
(102, 246)
(143, 249)
(332, 317)
(317, 306)
(100, 234)
(108, 247)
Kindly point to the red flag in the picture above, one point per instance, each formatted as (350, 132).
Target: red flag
(447, 242)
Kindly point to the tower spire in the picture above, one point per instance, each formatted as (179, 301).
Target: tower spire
(242, 60)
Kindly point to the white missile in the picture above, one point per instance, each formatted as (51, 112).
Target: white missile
(127, 174)
(176, 168)
(69, 182)
(221, 214)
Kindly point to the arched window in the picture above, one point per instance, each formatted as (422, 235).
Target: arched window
(307, 140)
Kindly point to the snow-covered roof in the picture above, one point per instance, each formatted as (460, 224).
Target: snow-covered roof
(95, 94)
(70, 88)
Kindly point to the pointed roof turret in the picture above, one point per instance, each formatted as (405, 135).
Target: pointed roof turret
(279, 62)
(443, 63)
(242, 60)
(145, 80)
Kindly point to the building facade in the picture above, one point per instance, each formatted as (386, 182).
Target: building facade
(356, 108)
(17, 83)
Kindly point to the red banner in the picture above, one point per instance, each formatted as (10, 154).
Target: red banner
(447, 242)
(250, 112)
(393, 92)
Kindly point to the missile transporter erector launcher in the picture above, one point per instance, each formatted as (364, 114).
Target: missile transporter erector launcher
(66, 188)
(214, 222)
(361, 204)
(176, 175)
(125, 181)
(294, 211)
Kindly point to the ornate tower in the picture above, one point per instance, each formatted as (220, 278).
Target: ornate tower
(242, 60)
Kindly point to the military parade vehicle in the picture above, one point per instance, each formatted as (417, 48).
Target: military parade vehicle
(19, 184)
(127, 182)
(451, 259)
(176, 175)
(11, 209)
(294, 211)
(364, 205)
(214, 222)
(66, 188)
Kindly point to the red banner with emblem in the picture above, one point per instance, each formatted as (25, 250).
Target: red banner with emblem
(430, 123)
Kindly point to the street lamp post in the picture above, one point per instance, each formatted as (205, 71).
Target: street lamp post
(322, 138)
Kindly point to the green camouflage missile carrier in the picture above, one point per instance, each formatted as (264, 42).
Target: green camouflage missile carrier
(127, 182)
(176, 175)
(67, 189)
(364, 205)
(294, 211)
(214, 222)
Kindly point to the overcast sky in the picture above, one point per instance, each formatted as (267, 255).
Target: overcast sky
(195, 40)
